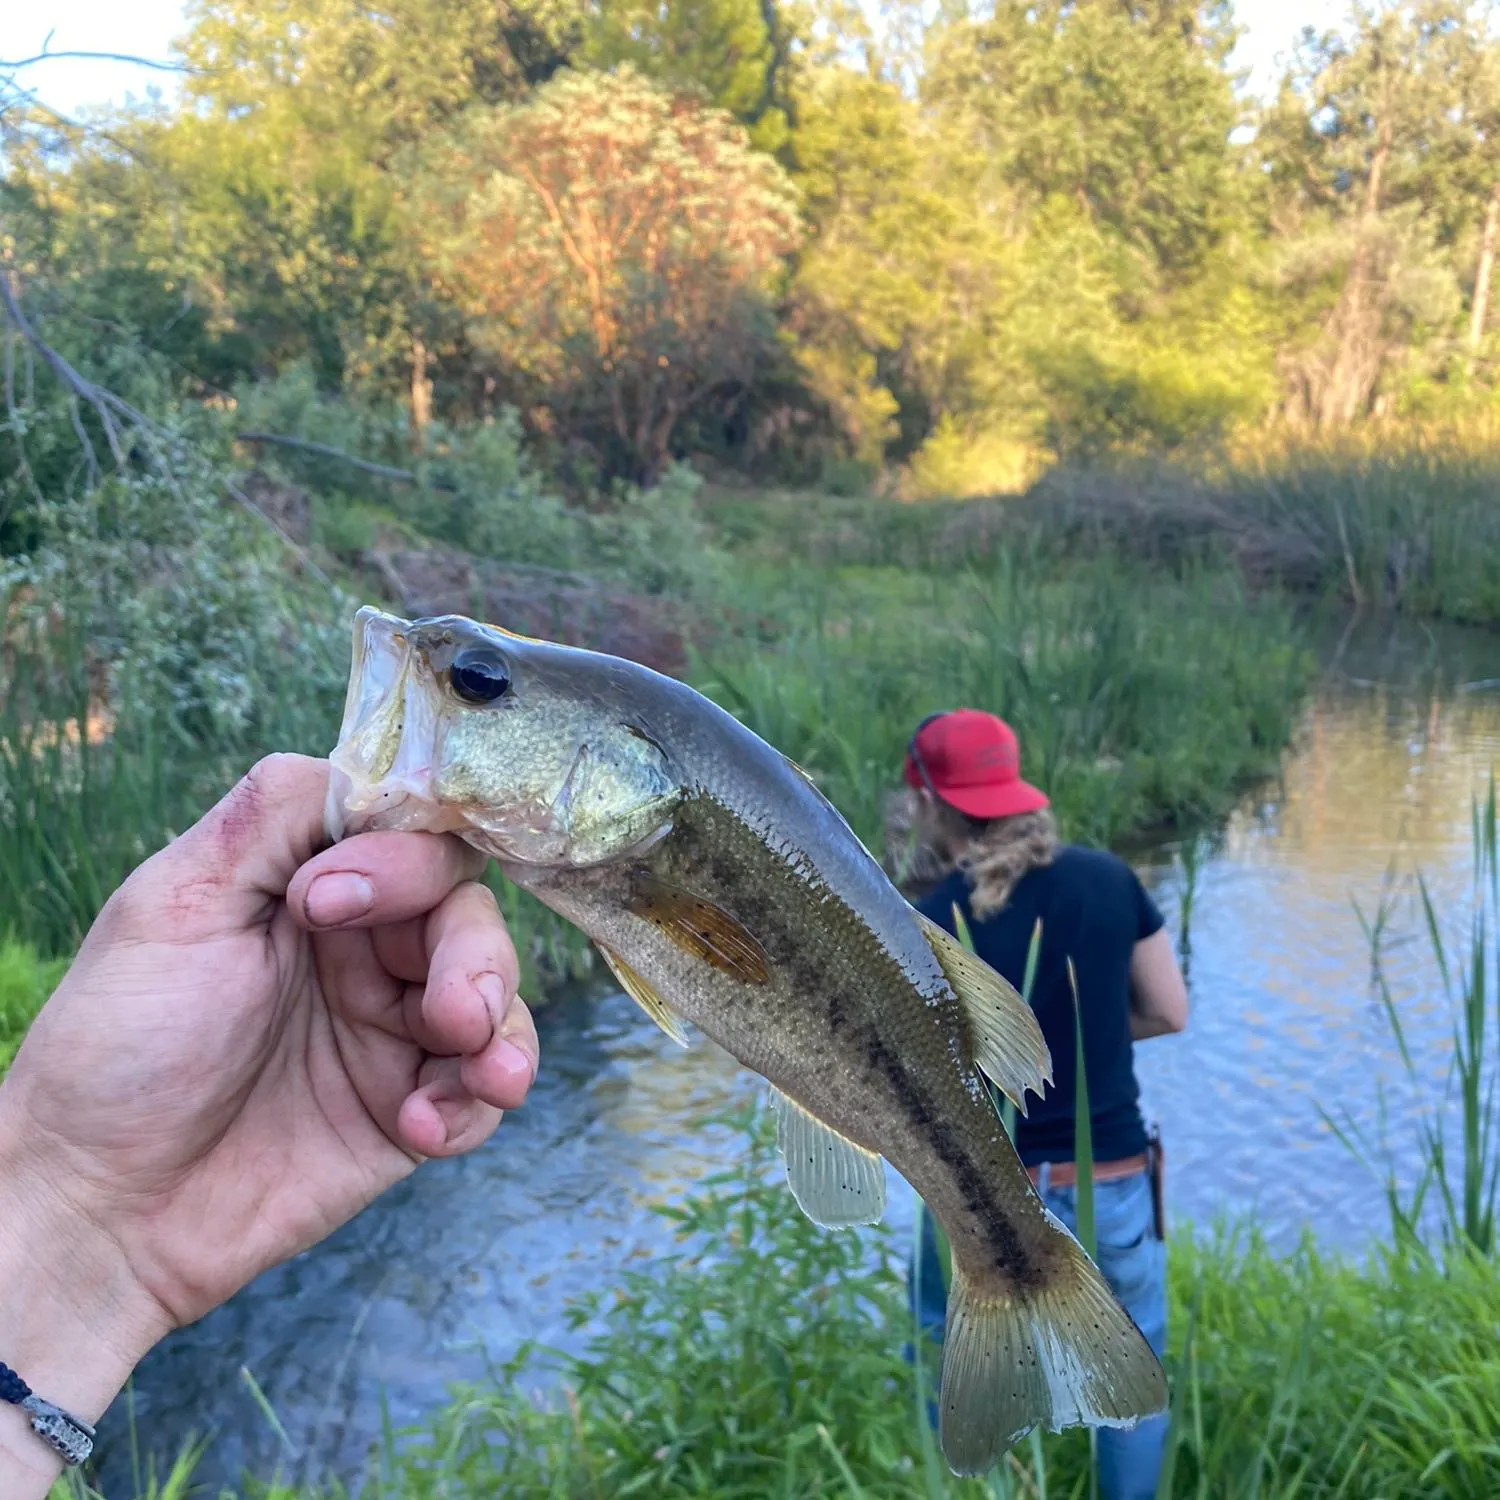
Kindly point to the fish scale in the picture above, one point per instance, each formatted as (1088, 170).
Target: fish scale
(723, 888)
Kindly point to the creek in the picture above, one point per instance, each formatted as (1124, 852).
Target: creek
(447, 1275)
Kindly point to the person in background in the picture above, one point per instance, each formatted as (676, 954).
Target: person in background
(988, 841)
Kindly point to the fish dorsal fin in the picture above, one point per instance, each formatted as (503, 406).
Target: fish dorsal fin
(803, 774)
(644, 996)
(836, 1183)
(1009, 1048)
(698, 926)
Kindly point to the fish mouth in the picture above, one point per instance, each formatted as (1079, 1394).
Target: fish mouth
(380, 771)
(405, 759)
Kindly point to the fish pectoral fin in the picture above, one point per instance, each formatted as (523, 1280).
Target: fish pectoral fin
(1009, 1048)
(836, 1183)
(644, 996)
(698, 926)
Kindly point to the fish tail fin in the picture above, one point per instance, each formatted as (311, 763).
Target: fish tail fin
(1065, 1355)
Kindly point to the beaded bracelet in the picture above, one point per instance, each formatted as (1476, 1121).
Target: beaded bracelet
(64, 1433)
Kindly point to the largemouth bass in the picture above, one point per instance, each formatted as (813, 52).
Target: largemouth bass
(723, 889)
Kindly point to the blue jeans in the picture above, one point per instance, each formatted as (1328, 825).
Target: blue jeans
(1134, 1262)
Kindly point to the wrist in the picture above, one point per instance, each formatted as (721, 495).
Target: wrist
(74, 1321)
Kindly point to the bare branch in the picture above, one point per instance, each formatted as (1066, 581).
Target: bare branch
(122, 57)
(325, 450)
(105, 403)
(109, 407)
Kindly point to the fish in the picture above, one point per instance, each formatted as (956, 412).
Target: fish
(725, 891)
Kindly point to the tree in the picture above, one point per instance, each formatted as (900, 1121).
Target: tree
(397, 70)
(736, 52)
(286, 168)
(1372, 149)
(616, 248)
(1123, 108)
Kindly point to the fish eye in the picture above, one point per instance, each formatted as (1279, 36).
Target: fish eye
(479, 675)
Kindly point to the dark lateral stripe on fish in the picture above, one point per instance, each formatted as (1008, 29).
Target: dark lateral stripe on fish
(1012, 1258)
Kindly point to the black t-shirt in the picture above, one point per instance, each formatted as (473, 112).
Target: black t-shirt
(1093, 908)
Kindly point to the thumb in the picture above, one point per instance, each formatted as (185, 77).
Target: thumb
(226, 871)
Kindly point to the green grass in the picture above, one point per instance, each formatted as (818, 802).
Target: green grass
(1412, 527)
(1140, 700)
(25, 983)
(1408, 522)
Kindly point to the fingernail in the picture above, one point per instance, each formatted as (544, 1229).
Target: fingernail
(492, 992)
(514, 1060)
(333, 899)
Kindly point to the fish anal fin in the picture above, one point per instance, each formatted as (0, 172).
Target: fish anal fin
(644, 996)
(1064, 1355)
(1009, 1048)
(836, 1183)
(698, 926)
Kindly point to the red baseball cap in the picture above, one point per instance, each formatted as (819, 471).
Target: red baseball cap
(972, 762)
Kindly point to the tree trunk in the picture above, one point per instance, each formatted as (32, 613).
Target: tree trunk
(421, 386)
(1481, 303)
(1359, 351)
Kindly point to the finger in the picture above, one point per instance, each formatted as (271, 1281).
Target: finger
(359, 987)
(374, 879)
(407, 948)
(503, 1073)
(402, 949)
(471, 974)
(441, 1117)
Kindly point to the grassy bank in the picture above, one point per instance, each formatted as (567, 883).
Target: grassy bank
(1140, 697)
(766, 1362)
(1406, 523)
(1412, 527)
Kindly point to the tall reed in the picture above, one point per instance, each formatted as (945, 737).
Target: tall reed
(1410, 525)
(1458, 1190)
(1138, 700)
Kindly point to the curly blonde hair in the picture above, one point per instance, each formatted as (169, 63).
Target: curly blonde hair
(994, 853)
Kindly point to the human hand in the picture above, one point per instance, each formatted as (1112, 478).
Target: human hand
(252, 1044)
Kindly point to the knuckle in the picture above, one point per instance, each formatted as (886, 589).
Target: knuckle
(273, 771)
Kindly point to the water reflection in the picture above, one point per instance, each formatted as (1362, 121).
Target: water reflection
(1286, 1025)
(460, 1265)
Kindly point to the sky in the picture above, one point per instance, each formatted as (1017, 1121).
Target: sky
(145, 28)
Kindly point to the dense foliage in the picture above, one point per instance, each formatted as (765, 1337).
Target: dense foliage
(957, 247)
